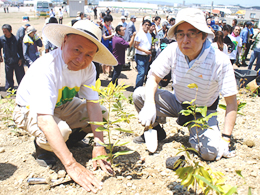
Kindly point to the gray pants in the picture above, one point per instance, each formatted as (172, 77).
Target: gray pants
(130, 52)
(168, 106)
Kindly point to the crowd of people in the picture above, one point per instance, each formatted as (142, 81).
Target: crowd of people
(192, 49)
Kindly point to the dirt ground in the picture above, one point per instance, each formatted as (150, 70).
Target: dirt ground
(140, 173)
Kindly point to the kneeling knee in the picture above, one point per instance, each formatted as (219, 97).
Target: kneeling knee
(209, 154)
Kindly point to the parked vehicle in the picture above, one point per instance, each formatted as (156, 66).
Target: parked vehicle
(42, 8)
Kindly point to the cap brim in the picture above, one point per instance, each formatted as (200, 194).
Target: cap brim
(55, 33)
(200, 27)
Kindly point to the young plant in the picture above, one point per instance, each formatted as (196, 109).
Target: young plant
(197, 176)
(112, 96)
(200, 123)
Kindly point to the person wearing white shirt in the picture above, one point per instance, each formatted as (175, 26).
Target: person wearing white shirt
(60, 16)
(190, 60)
(142, 44)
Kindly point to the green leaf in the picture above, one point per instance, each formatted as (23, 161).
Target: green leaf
(186, 112)
(123, 144)
(118, 121)
(101, 157)
(98, 84)
(96, 123)
(232, 191)
(193, 85)
(204, 111)
(101, 143)
(222, 106)
(99, 129)
(192, 149)
(238, 172)
(249, 191)
(208, 183)
(124, 130)
(120, 153)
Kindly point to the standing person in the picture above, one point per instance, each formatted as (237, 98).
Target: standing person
(60, 16)
(191, 60)
(226, 31)
(31, 42)
(13, 57)
(234, 23)
(245, 35)
(108, 11)
(55, 115)
(157, 21)
(119, 47)
(95, 12)
(218, 42)
(130, 29)
(163, 31)
(123, 22)
(171, 22)
(256, 52)
(107, 41)
(237, 41)
(142, 44)
(20, 35)
(80, 16)
(52, 14)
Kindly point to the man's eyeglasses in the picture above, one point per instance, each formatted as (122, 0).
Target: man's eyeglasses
(190, 35)
(147, 24)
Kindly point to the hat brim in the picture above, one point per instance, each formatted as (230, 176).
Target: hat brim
(201, 27)
(55, 33)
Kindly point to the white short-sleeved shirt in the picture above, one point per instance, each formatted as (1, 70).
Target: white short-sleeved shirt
(225, 48)
(145, 40)
(49, 83)
(238, 43)
(212, 72)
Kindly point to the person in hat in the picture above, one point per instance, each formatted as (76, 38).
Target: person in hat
(123, 22)
(12, 56)
(31, 42)
(46, 104)
(130, 29)
(191, 60)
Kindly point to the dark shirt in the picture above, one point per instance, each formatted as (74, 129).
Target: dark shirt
(20, 34)
(229, 43)
(153, 35)
(119, 47)
(11, 50)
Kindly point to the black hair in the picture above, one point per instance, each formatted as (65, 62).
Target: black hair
(118, 28)
(103, 14)
(53, 20)
(157, 18)
(7, 26)
(81, 14)
(227, 27)
(108, 18)
(172, 19)
(235, 20)
(145, 21)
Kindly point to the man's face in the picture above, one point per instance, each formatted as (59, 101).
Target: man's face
(157, 22)
(208, 21)
(217, 22)
(122, 31)
(108, 23)
(172, 22)
(123, 20)
(133, 20)
(7, 33)
(152, 28)
(77, 52)
(146, 27)
(190, 47)
(236, 30)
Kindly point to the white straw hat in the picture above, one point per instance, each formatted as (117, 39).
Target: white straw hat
(55, 33)
(193, 16)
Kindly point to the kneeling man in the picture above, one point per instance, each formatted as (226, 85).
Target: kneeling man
(46, 103)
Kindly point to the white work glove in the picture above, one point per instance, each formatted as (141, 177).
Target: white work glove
(147, 115)
(223, 150)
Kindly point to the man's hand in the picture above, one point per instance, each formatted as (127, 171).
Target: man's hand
(148, 52)
(224, 149)
(20, 62)
(147, 115)
(83, 177)
(105, 166)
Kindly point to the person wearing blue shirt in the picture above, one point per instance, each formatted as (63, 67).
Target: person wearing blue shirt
(245, 35)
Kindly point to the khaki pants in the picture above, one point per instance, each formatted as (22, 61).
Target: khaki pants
(68, 116)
